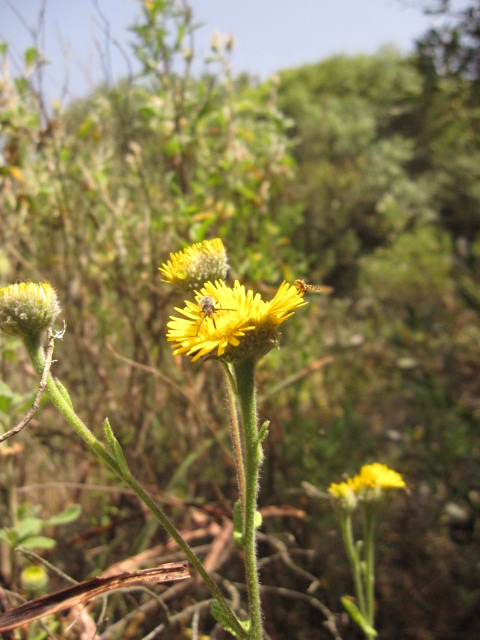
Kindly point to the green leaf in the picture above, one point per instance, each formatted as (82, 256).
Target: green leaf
(120, 458)
(263, 432)
(85, 127)
(13, 402)
(219, 614)
(38, 542)
(29, 526)
(6, 397)
(357, 616)
(9, 536)
(65, 155)
(116, 448)
(31, 56)
(147, 111)
(180, 35)
(70, 514)
(29, 510)
(107, 427)
(199, 231)
(238, 524)
(64, 393)
(21, 85)
(257, 520)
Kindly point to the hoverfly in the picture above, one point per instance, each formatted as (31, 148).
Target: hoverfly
(209, 308)
(303, 287)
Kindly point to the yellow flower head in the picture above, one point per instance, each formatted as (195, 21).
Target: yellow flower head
(371, 484)
(344, 494)
(27, 308)
(379, 476)
(231, 323)
(190, 268)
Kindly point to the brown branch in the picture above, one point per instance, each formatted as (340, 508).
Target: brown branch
(303, 373)
(148, 369)
(41, 387)
(87, 590)
(330, 622)
(116, 627)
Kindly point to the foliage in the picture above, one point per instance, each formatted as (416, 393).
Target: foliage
(26, 532)
(353, 159)
(360, 172)
(451, 46)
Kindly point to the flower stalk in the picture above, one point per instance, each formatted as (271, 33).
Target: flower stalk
(236, 328)
(364, 490)
(369, 553)
(61, 400)
(238, 444)
(244, 374)
(353, 556)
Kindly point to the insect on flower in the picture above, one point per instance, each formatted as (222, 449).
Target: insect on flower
(209, 307)
(303, 287)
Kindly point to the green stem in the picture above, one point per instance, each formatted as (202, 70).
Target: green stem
(244, 373)
(237, 444)
(347, 533)
(368, 526)
(63, 405)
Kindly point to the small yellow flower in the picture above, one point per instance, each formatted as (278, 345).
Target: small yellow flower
(231, 323)
(190, 268)
(27, 308)
(371, 484)
(344, 494)
(379, 476)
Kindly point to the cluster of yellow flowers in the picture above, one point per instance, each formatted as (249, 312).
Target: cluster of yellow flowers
(196, 264)
(371, 484)
(224, 322)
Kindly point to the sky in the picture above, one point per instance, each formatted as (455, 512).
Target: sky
(88, 42)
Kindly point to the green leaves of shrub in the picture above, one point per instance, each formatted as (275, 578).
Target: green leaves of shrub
(25, 534)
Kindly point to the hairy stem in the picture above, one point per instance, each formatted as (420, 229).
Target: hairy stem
(244, 372)
(60, 399)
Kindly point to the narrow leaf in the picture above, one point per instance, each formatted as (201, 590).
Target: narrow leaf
(37, 542)
(357, 616)
(219, 614)
(238, 524)
(70, 514)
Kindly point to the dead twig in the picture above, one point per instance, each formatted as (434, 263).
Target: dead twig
(85, 591)
(41, 388)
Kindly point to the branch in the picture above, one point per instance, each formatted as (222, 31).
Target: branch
(85, 591)
(41, 387)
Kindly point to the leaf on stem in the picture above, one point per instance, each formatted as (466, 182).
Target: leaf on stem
(219, 615)
(357, 616)
(238, 525)
(116, 449)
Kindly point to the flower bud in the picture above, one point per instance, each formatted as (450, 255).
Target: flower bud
(191, 268)
(27, 308)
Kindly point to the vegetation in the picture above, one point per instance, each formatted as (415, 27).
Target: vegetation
(361, 173)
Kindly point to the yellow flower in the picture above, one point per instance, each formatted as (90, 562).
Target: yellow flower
(373, 481)
(27, 308)
(190, 268)
(231, 323)
(344, 494)
(379, 476)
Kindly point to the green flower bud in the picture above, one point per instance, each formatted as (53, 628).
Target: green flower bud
(27, 308)
(191, 268)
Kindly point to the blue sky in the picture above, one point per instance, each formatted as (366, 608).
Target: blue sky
(269, 34)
